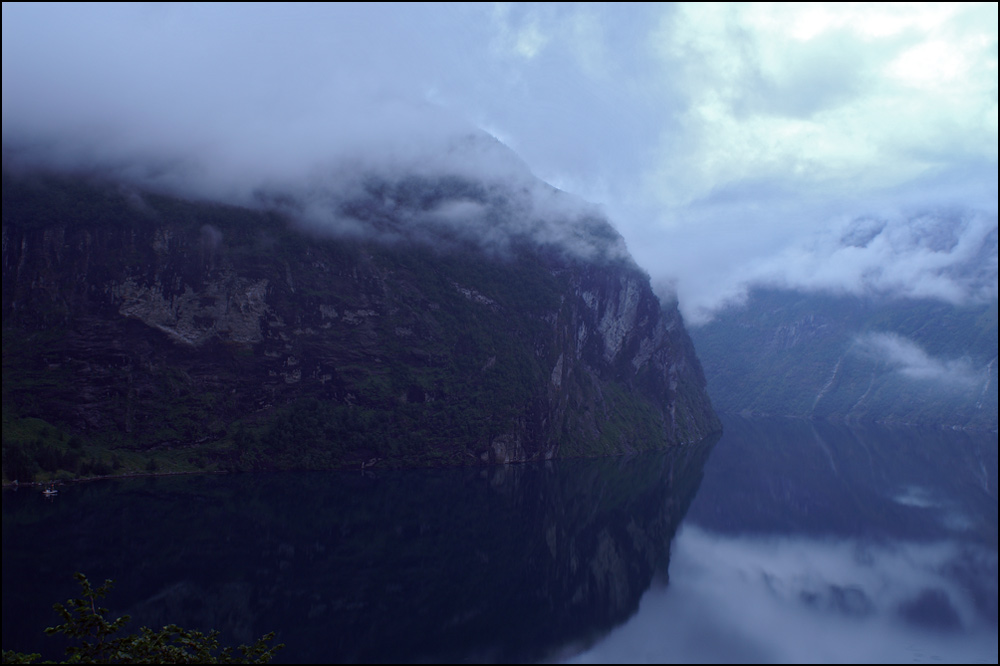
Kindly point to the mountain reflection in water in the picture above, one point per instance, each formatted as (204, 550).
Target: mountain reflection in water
(513, 563)
(813, 542)
(804, 542)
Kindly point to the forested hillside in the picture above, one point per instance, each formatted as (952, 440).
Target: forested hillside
(850, 358)
(148, 332)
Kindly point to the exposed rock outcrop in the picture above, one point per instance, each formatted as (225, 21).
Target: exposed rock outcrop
(173, 322)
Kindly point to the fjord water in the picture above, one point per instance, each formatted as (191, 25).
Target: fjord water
(816, 542)
(785, 540)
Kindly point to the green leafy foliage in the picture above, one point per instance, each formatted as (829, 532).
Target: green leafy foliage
(100, 641)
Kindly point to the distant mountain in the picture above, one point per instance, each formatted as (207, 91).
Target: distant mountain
(423, 320)
(855, 359)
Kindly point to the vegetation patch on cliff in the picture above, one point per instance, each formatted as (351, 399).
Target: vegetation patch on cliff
(147, 333)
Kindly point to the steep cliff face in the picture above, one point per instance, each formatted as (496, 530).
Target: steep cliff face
(845, 358)
(145, 321)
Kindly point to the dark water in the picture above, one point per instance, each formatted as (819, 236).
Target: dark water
(783, 541)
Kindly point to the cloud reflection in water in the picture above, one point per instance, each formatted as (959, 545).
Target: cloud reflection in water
(787, 599)
(817, 542)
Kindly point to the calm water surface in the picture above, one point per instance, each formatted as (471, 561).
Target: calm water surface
(812, 542)
(782, 541)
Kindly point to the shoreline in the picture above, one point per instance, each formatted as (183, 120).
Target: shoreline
(86, 479)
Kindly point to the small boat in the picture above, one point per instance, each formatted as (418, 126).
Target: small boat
(49, 492)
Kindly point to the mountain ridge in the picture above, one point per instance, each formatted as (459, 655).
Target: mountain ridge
(849, 358)
(158, 330)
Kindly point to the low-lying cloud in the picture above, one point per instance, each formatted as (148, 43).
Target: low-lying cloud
(910, 360)
(732, 145)
(950, 255)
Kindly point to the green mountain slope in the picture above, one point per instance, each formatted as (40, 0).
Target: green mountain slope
(848, 358)
(143, 331)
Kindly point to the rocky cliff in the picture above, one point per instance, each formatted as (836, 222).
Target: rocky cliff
(846, 358)
(139, 323)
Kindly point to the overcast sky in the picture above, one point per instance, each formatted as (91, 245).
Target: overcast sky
(836, 147)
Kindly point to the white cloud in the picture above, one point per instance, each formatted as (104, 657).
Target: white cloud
(809, 95)
(724, 140)
(786, 600)
(910, 360)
